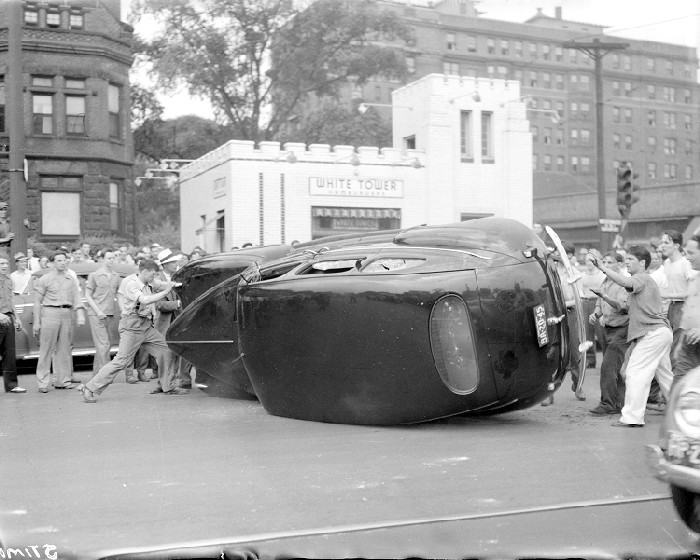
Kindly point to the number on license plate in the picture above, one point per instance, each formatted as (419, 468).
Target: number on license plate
(541, 325)
(683, 450)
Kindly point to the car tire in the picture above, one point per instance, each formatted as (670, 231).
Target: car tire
(687, 505)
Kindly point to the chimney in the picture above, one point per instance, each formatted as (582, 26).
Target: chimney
(557, 12)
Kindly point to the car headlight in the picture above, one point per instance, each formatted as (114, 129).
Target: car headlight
(688, 408)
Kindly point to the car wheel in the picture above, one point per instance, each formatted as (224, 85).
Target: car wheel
(687, 505)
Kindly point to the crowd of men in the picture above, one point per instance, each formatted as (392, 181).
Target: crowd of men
(146, 302)
(642, 304)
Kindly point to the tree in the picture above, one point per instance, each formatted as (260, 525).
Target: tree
(334, 124)
(256, 60)
(145, 106)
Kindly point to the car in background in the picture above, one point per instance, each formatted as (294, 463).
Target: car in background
(27, 345)
(676, 460)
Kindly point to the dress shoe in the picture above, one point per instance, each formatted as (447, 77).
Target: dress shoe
(580, 395)
(601, 410)
(619, 424)
(156, 391)
(75, 380)
(18, 390)
(132, 380)
(549, 400)
(88, 395)
(177, 391)
(657, 407)
(43, 390)
(188, 387)
(69, 386)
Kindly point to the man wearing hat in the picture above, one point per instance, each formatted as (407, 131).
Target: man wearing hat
(6, 236)
(21, 276)
(167, 309)
(8, 324)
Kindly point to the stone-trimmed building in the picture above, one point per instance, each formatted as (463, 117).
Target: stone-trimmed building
(476, 162)
(76, 134)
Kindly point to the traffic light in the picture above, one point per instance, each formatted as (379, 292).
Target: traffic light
(626, 189)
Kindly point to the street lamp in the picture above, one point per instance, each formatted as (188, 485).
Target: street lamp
(476, 98)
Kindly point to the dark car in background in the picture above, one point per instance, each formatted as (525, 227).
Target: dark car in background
(27, 345)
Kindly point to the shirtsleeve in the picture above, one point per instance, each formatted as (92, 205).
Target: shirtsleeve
(637, 285)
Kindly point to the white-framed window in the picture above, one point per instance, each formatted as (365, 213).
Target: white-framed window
(487, 136)
(411, 64)
(31, 16)
(53, 18)
(688, 171)
(76, 20)
(651, 170)
(585, 136)
(651, 64)
(60, 199)
(651, 144)
(574, 164)
(689, 147)
(558, 53)
(547, 135)
(471, 43)
(450, 68)
(535, 133)
(504, 47)
(651, 118)
(560, 163)
(42, 113)
(670, 146)
(628, 115)
(466, 122)
(651, 91)
(669, 67)
(75, 115)
(616, 141)
(518, 48)
(533, 78)
(585, 164)
(670, 171)
(616, 114)
(628, 142)
(451, 40)
(114, 110)
(626, 62)
(115, 206)
(547, 161)
(546, 52)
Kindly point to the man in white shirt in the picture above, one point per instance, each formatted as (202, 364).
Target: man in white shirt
(678, 272)
(21, 276)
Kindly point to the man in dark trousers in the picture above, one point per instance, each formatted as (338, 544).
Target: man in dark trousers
(136, 330)
(8, 324)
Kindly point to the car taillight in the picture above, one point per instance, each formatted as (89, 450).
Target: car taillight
(453, 345)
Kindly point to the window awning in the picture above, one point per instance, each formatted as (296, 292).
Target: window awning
(375, 213)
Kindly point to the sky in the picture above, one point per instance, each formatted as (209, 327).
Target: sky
(672, 21)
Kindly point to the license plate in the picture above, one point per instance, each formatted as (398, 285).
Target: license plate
(682, 450)
(541, 325)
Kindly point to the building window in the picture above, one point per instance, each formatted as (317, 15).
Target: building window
(60, 205)
(687, 96)
(518, 75)
(465, 136)
(533, 49)
(451, 42)
(585, 83)
(626, 62)
(546, 80)
(558, 81)
(471, 43)
(686, 70)
(616, 114)
(535, 133)
(502, 72)
(535, 162)
(487, 136)
(42, 113)
(651, 64)
(689, 147)
(31, 16)
(651, 144)
(574, 109)
(585, 137)
(615, 61)
(547, 135)
(115, 207)
(616, 88)
(651, 91)
(560, 163)
(668, 94)
(628, 142)
(559, 136)
(669, 120)
(585, 164)
(547, 104)
(546, 51)
(628, 89)
(450, 68)
(2, 103)
(73, 83)
(534, 103)
(651, 170)
(410, 64)
(75, 115)
(616, 141)
(574, 164)
(559, 106)
(670, 146)
(688, 171)
(628, 115)
(585, 110)
(572, 56)
(651, 118)
(504, 47)
(77, 20)
(377, 93)
(490, 46)
(558, 54)
(490, 70)
(547, 160)
(42, 81)
(533, 78)
(518, 48)
(574, 136)
(669, 171)
(113, 105)
(53, 19)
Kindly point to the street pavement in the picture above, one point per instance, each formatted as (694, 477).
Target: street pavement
(136, 474)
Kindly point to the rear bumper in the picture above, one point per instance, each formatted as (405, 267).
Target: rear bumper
(678, 475)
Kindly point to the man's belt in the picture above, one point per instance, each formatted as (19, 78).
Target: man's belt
(60, 306)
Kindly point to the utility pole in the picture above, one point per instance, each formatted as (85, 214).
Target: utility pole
(15, 128)
(596, 50)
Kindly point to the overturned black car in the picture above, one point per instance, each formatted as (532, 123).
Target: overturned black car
(394, 328)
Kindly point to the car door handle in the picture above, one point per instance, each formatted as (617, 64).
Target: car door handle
(555, 320)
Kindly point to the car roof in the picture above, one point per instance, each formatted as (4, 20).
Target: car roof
(83, 269)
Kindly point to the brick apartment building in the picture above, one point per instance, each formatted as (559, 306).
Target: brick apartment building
(75, 130)
(651, 118)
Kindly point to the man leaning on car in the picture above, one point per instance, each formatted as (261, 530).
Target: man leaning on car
(8, 324)
(56, 295)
